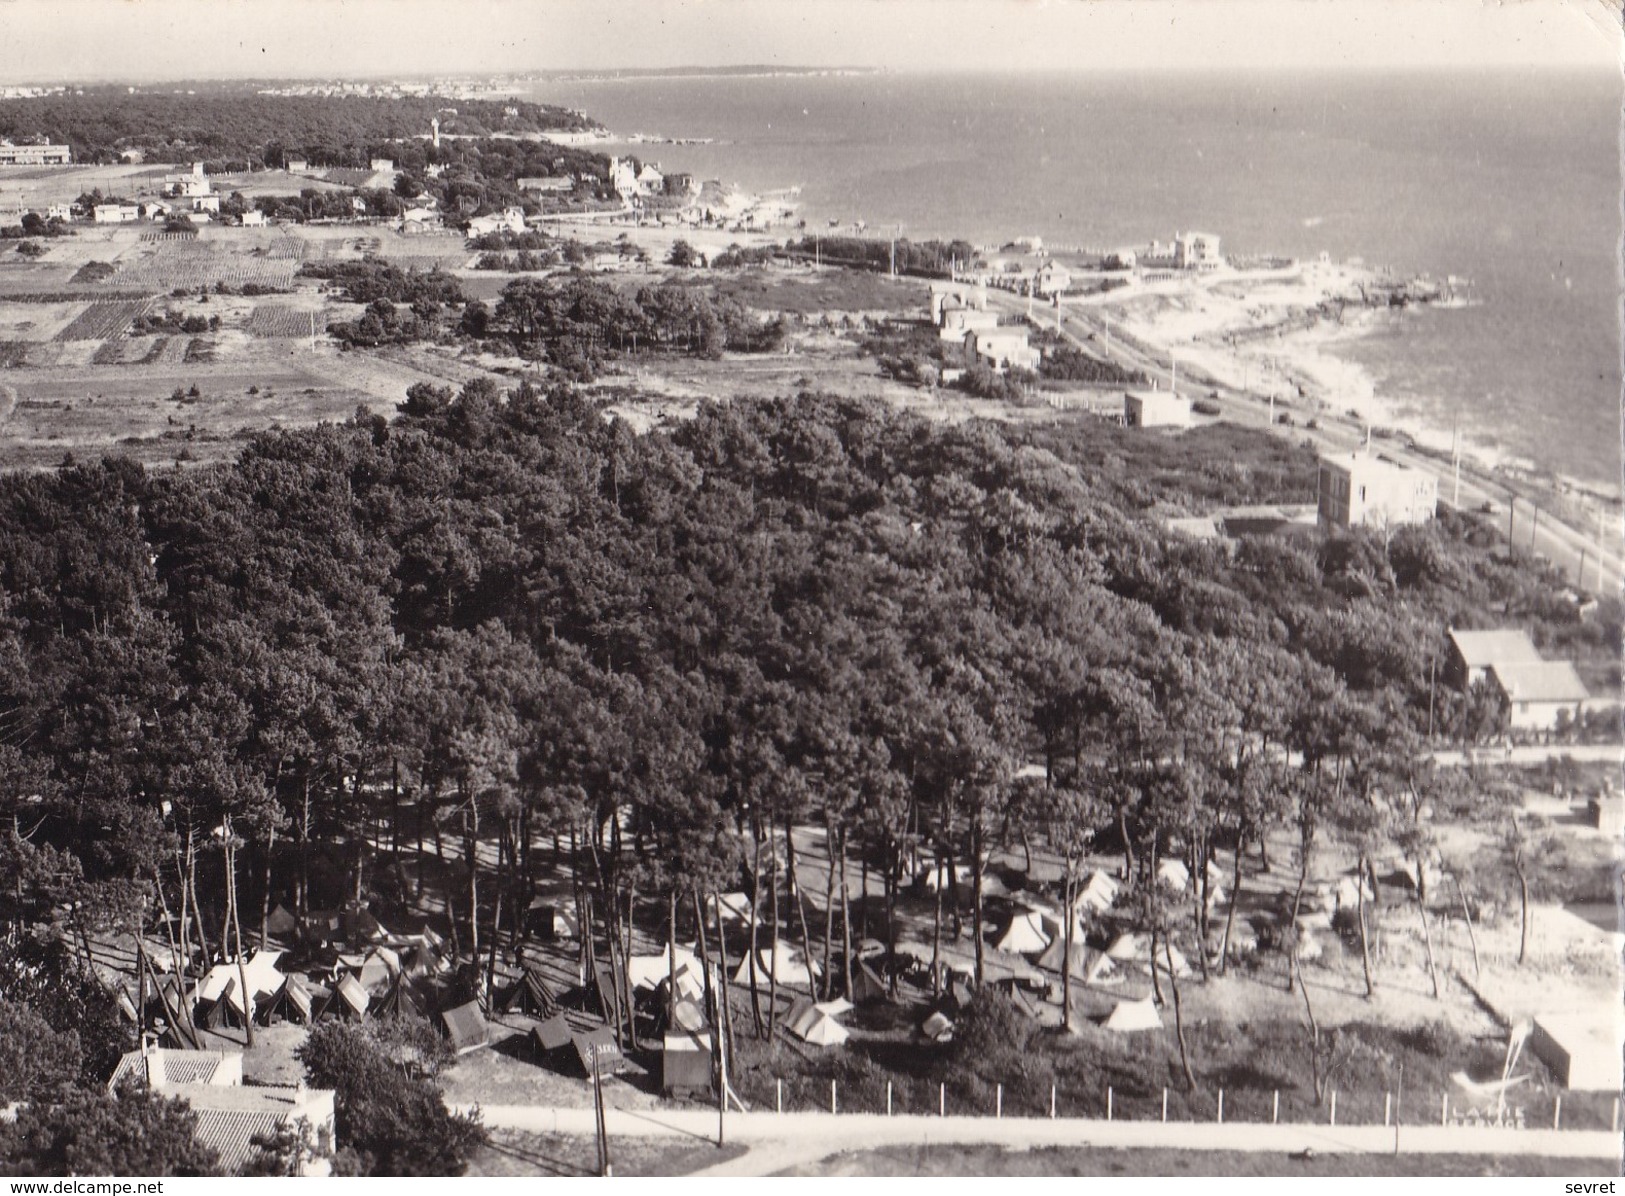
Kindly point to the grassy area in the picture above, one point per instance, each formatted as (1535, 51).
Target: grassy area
(1250, 1061)
(815, 293)
(518, 1153)
(1081, 1160)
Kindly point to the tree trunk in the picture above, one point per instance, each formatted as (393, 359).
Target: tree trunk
(1427, 940)
(755, 904)
(976, 892)
(1365, 938)
(1199, 892)
(829, 910)
(1523, 915)
(936, 935)
(471, 844)
(1179, 1015)
(237, 933)
(725, 1023)
(773, 907)
(846, 922)
(1318, 1081)
(1297, 906)
(1467, 917)
(1068, 917)
(1235, 900)
(801, 909)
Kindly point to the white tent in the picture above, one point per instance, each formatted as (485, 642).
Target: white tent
(647, 971)
(811, 1024)
(787, 969)
(938, 1028)
(734, 907)
(223, 978)
(1096, 894)
(992, 886)
(1128, 947)
(934, 877)
(1025, 935)
(263, 978)
(1134, 1015)
(1173, 874)
(836, 1007)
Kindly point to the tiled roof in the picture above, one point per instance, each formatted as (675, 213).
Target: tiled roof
(230, 1133)
(180, 1067)
(1482, 649)
(1544, 681)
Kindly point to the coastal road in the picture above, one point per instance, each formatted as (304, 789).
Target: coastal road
(779, 1140)
(1589, 556)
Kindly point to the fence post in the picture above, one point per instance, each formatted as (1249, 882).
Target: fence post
(1275, 1108)
(1387, 1106)
(833, 1107)
(1108, 1102)
(1220, 1117)
(1557, 1112)
(888, 1098)
(1444, 1109)
(1052, 1102)
(778, 1096)
(998, 1100)
(942, 1099)
(1334, 1107)
(1165, 1104)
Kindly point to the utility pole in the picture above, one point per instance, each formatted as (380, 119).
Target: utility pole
(1455, 466)
(1535, 530)
(1512, 507)
(1602, 544)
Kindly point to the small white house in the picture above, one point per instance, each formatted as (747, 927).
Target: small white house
(298, 165)
(116, 213)
(254, 218)
(1002, 348)
(381, 164)
(1156, 409)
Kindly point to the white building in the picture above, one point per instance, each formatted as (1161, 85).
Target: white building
(298, 165)
(382, 164)
(1156, 409)
(622, 177)
(1002, 348)
(1536, 691)
(116, 213)
(34, 155)
(1197, 251)
(1052, 279)
(958, 320)
(1360, 489)
(254, 218)
(510, 220)
(206, 203)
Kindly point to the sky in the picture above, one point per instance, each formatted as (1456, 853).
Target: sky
(136, 40)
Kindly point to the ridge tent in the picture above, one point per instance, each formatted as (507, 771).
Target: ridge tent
(359, 926)
(1025, 935)
(378, 967)
(220, 996)
(292, 1002)
(1096, 895)
(732, 907)
(598, 1043)
(938, 877)
(347, 1000)
(1130, 1016)
(1174, 874)
(786, 967)
(466, 1028)
(867, 986)
(1085, 963)
(551, 1034)
(422, 960)
(647, 971)
(937, 1027)
(225, 1010)
(1127, 947)
(402, 996)
(835, 1008)
(529, 994)
(542, 919)
(281, 922)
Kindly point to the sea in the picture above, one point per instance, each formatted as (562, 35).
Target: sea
(1509, 178)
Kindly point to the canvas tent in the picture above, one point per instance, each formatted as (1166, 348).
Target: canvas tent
(598, 1044)
(939, 877)
(529, 994)
(1085, 963)
(1026, 934)
(374, 969)
(281, 922)
(226, 1009)
(786, 967)
(551, 1034)
(1174, 874)
(1096, 895)
(938, 1028)
(1129, 1016)
(347, 1000)
(867, 986)
(732, 907)
(401, 997)
(466, 1028)
(812, 1025)
(293, 1002)
(647, 971)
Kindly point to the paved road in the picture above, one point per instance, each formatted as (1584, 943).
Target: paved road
(778, 1140)
(1567, 547)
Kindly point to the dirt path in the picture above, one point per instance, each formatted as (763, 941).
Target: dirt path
(780, 1140)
